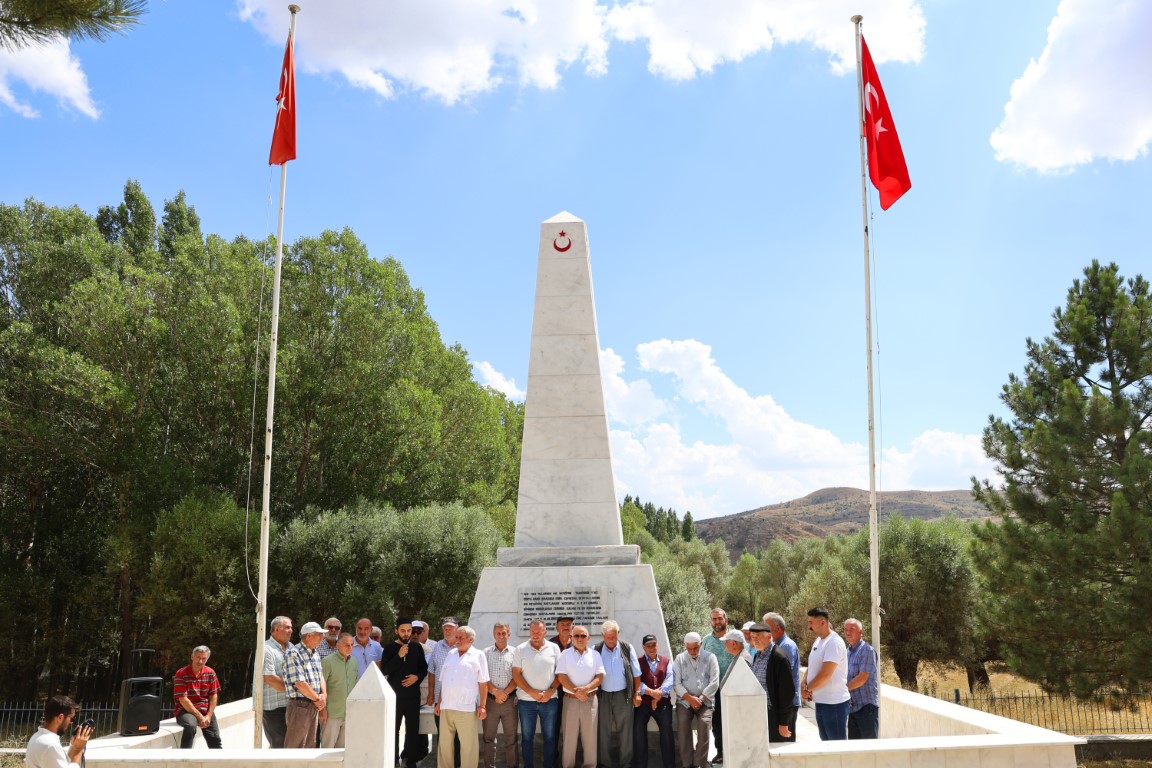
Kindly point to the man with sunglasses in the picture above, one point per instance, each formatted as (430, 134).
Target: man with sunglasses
(580, 671)
(332, 629)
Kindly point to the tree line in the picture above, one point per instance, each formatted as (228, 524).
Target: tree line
(132, 390)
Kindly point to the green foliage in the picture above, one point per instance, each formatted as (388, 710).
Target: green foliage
(376, 561)
(196, 589)
(1074, 546)
(127, 356)
(683, 597)
(31, 22)
(631, 520)
(928, 583)
(688, 527)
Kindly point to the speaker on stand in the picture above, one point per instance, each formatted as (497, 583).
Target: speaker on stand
(140, 698)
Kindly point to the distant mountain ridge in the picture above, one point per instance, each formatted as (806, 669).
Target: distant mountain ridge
(830, 511)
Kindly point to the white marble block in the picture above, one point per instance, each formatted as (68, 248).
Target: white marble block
(745, 708)
(370, 733)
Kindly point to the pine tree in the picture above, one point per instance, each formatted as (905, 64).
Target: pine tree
(34, 22)
(1070, 565)
(688, 527)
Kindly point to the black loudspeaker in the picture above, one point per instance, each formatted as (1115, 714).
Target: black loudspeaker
(140, 705)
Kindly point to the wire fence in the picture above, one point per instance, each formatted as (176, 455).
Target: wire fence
(19, 720)
(1104, 713)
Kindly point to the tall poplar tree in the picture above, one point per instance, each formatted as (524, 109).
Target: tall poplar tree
(1071, 560)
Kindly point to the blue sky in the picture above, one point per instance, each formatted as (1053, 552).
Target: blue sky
(713, 151)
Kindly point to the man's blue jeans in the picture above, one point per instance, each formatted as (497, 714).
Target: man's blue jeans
(832, 720)
(864, 723)
(547, 712)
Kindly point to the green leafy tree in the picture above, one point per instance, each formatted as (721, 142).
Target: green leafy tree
(683, 597)
(711, 560)
(31, 22)
(379, 562)
(196, 590)
(1071, 558)
(631, 520)
(688, 527)
(927, 583)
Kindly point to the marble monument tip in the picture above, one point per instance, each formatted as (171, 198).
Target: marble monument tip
(564, 217)
(612, 554)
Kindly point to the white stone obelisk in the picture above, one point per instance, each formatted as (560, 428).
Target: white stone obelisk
(569, 556)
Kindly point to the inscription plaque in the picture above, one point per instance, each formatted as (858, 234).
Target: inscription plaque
(589, 606)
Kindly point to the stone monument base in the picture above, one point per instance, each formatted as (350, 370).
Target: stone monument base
(591, 593)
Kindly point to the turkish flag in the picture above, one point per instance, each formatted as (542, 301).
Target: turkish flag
(886, 166)
(284, 135)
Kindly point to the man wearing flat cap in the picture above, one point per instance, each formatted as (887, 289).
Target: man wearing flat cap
(402, 663)
(656, 680)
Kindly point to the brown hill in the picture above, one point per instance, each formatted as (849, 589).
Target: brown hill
(830, 511)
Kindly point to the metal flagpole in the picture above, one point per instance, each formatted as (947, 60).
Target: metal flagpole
(873, 525)
(262, 600)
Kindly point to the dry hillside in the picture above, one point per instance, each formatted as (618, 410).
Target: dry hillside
(829, 511)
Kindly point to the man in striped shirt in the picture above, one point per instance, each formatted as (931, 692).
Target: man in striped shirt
(307, 695)
(195, 689)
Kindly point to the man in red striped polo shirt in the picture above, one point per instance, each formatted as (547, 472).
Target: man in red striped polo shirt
(195, 689)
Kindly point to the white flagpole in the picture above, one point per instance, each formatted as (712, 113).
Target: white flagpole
(262, 600)
(873, 524)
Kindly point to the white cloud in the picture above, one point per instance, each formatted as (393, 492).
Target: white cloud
(937, 461)
(50, 68)
(686, 37)
(454, 49)
(490, 377)
(1089, 95)
(765, 456)
(628, 402)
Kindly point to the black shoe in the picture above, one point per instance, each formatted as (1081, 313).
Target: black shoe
(718, 760)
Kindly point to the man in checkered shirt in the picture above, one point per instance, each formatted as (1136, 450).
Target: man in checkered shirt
(304, 681)
(501, 698)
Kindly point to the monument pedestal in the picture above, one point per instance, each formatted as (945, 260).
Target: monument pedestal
(591, 593)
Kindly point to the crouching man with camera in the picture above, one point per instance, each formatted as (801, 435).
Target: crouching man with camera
(44, 749)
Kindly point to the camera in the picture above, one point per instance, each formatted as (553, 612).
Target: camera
(88, 723)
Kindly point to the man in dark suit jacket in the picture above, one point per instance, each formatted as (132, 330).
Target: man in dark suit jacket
(771, 668)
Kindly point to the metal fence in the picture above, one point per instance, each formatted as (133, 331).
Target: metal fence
(1106, 713)
(19, 720)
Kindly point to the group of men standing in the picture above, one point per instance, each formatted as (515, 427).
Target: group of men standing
(597, 698)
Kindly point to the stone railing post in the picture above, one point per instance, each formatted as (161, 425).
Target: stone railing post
(745, 719)
(370, 740)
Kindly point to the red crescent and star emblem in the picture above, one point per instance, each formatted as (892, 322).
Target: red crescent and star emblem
(567, 242)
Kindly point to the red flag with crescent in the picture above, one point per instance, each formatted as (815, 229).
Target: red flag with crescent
(886, 166)
(284, 135)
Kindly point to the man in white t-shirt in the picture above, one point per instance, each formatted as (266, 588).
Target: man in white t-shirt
(44, 750)
(827, 680)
